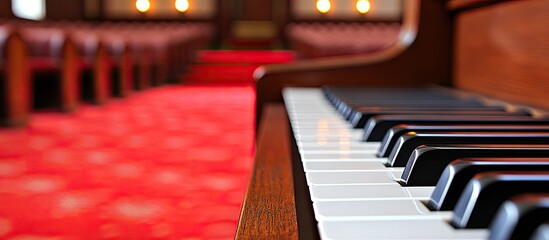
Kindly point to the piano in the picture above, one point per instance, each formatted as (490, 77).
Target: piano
(316, 176)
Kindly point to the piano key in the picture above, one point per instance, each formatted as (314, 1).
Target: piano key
(396, 229)
(377, 126)
(357, 114)
(407, 208)
(346, 110)
(352, 177)
(427, 162)
(410, 141)
(327, 138)
(327, 166)
(360, 118)
(356, 111)
(375, 210)
(519, 217)
(339, 155)
(458, 173)
(368, 191)
(391, 137)
(338, 148)
(485, 193)
(541, 233)
(321, 144)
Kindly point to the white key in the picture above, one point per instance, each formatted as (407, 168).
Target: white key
(351, 177)
(338, 165)
(397, 229)
(375, 210)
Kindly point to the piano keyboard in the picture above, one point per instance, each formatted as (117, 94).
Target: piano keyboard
(355, 193)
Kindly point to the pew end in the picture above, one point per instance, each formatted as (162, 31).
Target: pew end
(15, 104)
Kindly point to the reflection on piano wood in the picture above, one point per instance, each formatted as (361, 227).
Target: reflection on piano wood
(412, 164)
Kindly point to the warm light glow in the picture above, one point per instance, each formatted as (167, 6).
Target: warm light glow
(363, 6)
(323, 6)
(143, 5)
(182, 5)
(29, 9)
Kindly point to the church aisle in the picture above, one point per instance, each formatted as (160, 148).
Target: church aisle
(166, 163)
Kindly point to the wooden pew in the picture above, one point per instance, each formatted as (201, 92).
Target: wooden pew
(93, 56)
(54, 67)
(14, 79)
(314, 40)
(120, 61)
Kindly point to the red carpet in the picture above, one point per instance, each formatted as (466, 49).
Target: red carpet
(166, 163)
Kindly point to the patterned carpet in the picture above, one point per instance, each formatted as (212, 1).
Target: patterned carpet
(166, 163)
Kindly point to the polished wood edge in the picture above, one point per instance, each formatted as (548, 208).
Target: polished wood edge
(268, 210)
(406, 37)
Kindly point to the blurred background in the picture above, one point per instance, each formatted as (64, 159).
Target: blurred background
(135, 119)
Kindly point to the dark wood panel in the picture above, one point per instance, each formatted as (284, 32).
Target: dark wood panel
(503, 51)
(5, 9)
(258, 10)
(413, 61)
(65, 9)
(268, 211)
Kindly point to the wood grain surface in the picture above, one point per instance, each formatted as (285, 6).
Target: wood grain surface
(502, 51)
(268, 211)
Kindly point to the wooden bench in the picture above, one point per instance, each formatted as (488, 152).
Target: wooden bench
(14, 79)
(54, 67)
(92, 57)
(313, 40)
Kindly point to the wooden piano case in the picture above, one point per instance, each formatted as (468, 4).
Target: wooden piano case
(496, 48)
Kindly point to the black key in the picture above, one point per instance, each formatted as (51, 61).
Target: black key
(485, 193)
(520, 217)
(459, 172)
(427, 162)
(358, 116)
(361, 118)
(346, 107)
(390, 139)
(377, 126)
(410, 141)
(347, 110)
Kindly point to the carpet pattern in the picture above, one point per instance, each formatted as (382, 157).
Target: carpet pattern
(166, 163)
